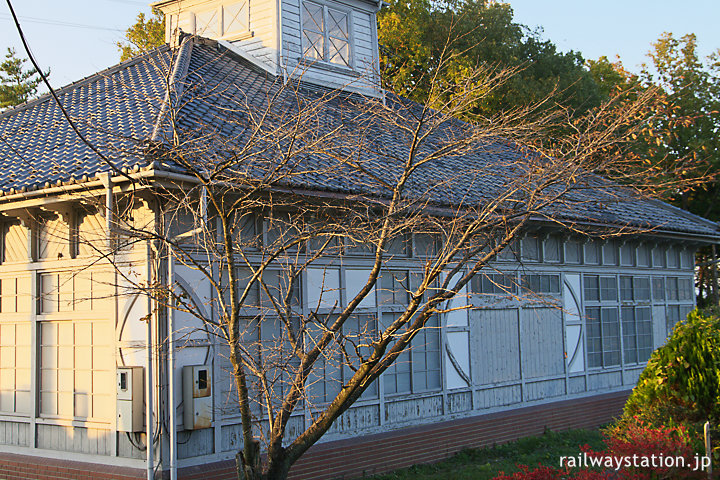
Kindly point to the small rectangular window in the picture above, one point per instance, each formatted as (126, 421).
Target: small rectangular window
(552, 246)
(573, 251)
(541, 284)
(658, 288)
(608, 288)
(629, 335)
(672, 316)
(627, 254)
(531, 249)
(685, 289)
(673, 257)
(326, 34)
(643, 256)
(626, 290)
(610, 253)
(592, 252)
(671, 286)
(592, 288)
(643, 320)
(425, 245)
(510, 253)
(493, 284)
(659, 257)
(637, 334)
(641, 289)
(394, 287)
(594, 337)
(610, 337)
(688, 259)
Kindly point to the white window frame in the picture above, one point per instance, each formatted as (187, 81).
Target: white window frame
(324, 62)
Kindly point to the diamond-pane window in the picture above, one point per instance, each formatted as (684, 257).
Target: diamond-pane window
(326, 34)
(338, 38)
(314, 30)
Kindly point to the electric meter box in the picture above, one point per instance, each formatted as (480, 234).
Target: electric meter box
(130, 394)
(197, 397)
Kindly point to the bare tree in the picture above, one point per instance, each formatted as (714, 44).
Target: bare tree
(277, 184)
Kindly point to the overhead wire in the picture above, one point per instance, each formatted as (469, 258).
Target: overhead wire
(64, 112)
(59, 23)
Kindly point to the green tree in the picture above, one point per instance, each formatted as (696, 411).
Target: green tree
(17, 84)
(144, 35)
(417, 35)
(681, 382)
(690, 117)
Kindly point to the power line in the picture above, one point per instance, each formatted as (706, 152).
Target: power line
(129, 2)
(65, 113)
(60, 23)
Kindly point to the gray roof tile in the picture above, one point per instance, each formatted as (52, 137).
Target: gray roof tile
(118, 110)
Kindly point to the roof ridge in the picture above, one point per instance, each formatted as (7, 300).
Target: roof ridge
(175, 87)
(83, 81)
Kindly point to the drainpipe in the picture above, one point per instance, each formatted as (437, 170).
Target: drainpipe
(149, 383)
(171, 370)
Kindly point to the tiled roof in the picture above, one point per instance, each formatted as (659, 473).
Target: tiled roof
(121, 110)
(115, 109)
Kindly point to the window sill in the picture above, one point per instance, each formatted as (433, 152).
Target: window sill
(239, 36)
(305, 62)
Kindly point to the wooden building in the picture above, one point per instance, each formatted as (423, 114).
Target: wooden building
(84, 369)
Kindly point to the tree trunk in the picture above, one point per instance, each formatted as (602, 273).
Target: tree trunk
(247, 463)
(278, 467)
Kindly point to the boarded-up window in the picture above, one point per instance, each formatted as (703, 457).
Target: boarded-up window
(627, 254)
(659, 259)
(76, 365)
(235, 18)
(592, 252)
(15, 367)
(53, 238)
(207, 23)
(573, 251)
(531, 249)
(610, 253)
(15, 242)
(552, 249)
(15, 294)
(643, 256)
(90, 233)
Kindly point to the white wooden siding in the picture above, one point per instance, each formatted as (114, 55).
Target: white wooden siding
(494, 344)
(542, 342)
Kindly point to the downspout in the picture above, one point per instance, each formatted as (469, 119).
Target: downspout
(278, 40)
(171, 370)
(149, 397)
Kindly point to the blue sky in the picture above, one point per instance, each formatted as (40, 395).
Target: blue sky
(75, 38)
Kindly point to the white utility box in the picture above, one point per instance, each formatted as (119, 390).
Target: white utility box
(197, 398)
(130, 393)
